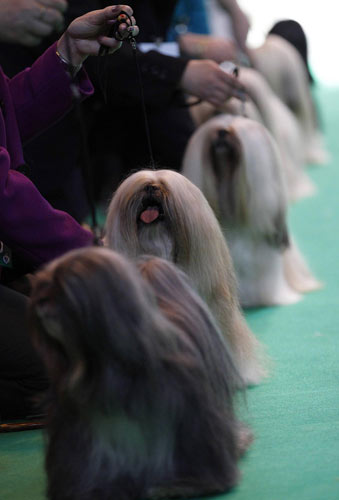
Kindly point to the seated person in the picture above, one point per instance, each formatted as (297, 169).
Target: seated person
(30, 229)
(197, 26)
(119, 122)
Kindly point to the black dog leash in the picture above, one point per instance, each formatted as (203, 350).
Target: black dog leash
(114, 33)
(86, 163)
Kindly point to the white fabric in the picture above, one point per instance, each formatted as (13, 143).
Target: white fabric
(219, 20)
(166, 48)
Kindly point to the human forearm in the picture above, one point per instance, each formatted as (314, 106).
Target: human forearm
(42, 94)
(230, 5)
(240, 22)
(207, 47)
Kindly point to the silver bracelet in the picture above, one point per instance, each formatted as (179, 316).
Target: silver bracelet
(73, 70)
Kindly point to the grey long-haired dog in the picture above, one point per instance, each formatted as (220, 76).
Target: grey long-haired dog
(162, 213)
(181, 305)
(140, 405)
(236, 163)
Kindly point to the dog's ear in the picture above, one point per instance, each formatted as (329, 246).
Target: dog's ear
(63, 365)
(49, 320)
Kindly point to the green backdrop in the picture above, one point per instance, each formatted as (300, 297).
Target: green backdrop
(295, 413)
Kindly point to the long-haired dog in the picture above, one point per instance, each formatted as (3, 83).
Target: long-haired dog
(203, 111)
(181, 305)
(236, 164)
(138, 407)
(264, 106)
(283, 67)
(163, 214)
(284, 127)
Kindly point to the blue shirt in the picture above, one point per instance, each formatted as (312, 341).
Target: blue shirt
(192, 14)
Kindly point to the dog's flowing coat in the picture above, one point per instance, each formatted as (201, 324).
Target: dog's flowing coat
(264, 106)
(284, 127)
(283, 67)
(186, 232)
(139, 408)
(183, 307)
(244, 184)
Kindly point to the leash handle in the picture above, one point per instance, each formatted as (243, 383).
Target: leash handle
(114, 31)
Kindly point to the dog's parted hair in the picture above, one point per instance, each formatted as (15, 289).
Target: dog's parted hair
(132, 412)
(186, 232)
(242, 177)
(236, 163)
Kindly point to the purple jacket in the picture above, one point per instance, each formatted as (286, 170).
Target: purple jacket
(29, 103)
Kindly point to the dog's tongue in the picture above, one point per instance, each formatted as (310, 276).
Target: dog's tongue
(149, 215)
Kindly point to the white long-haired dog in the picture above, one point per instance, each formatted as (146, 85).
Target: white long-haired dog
(236, 164)
(286, 130)
(283, 67)
(263, 105)
(162, 213)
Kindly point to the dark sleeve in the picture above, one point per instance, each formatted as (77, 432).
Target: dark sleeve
(118, 73)
(161, 74)
(42, 93)
(29, 225)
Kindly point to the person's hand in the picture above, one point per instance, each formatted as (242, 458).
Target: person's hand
(27, 22)
(87, 33)
(205, 79)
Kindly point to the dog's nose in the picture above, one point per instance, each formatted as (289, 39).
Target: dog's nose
(150, 189)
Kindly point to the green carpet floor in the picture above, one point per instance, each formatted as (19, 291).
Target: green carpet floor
(295, 413)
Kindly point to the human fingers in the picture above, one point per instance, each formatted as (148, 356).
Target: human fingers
(125, 8)
(126, 29)
(50, 16)
(39, 28)
(60, 5)
(89, 32)
(111, 43)
(29, 39)
(112, 12)
(232, 82)
(217, 97)
(96, 22)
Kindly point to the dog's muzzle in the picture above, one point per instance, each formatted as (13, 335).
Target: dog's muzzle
(151, 207)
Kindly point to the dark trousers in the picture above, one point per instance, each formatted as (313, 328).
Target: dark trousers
(22, 374)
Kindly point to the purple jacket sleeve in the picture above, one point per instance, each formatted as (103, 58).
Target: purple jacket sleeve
(42, 94)
(29, 225)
